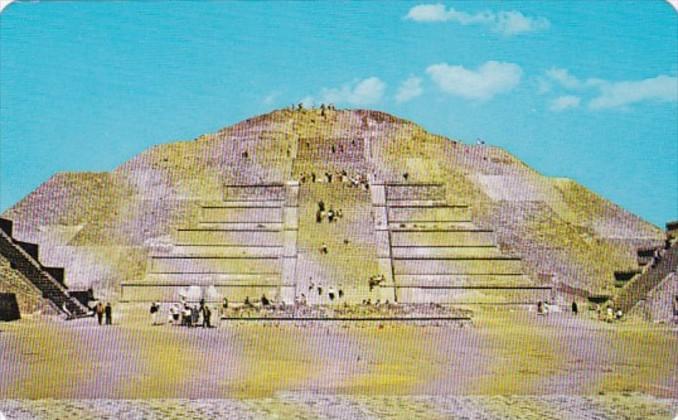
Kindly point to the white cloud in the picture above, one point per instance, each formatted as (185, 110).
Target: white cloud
(488, 80)
(569, 81)
(662, 88)
(507, 23)
(270, 98)
(564, 78)
(427, 13)
(543, 85)
(514, 23)
(438, 13)
(307, 101)
(564, 102)
(409, 89)
(360, 92)
(4, 3)
(618, 94)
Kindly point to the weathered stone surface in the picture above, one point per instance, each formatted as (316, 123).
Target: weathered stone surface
(250, 185)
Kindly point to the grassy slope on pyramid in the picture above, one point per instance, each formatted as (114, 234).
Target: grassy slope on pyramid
(103, 226)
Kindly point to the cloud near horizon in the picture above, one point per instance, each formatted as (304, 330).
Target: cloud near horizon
(661, 88)
(619, 94)
(368, 91)
(488, 80)
(409, 89)
(564, 102)
(507, 23)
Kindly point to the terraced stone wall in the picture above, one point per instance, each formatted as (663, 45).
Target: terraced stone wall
(243, 246)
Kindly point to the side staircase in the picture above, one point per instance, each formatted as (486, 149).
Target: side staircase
(639, 286)
(49, 280)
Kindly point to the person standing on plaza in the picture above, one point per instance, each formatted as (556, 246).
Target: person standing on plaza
(108, 311)
(99, 311)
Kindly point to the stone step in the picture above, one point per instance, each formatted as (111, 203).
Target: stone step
(215, 294)
(234, 265)
(206, 279)
(445, 251)
(243, 214)
(411, 191)
(240, 226)
(223, 251)
(228, 237)
(406, 214)
(472, 237)
(255, 203)
(417, 203)
(462, 280)
(260, 192)
(457, 266)
(469, 296)
(432, 226)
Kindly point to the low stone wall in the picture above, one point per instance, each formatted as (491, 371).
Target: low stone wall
(475, 296)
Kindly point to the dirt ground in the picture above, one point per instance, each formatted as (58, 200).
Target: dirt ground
(503, 354)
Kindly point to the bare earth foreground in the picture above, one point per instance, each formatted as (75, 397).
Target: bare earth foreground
(508, 364)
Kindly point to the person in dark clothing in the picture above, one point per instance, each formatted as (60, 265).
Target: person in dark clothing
(186, 316)
(575, 308)
(195, 315)
(154, 313)
(341, 293)
(206, 315)
(264, 301)
(108, 311)
(321, 205)
(330, 215)
(319, 216)
(247, 302)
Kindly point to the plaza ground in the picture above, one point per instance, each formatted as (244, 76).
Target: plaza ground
(531, 363)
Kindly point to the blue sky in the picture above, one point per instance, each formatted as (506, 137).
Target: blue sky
(586, 90)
